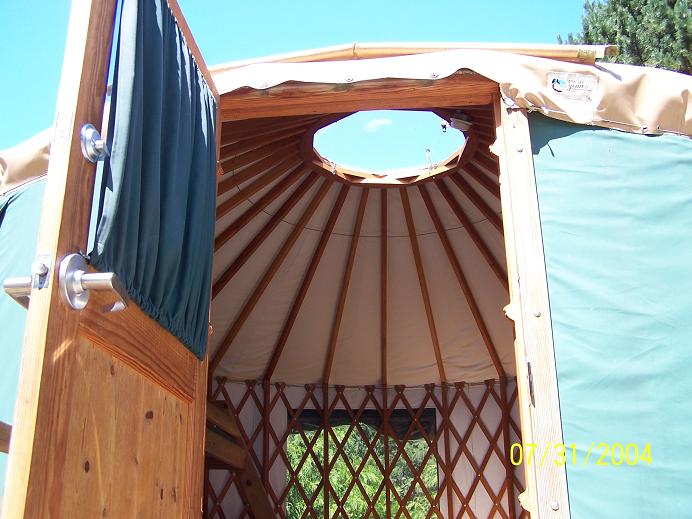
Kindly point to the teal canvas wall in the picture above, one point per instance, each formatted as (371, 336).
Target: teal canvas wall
(20, 211)
(616, 217)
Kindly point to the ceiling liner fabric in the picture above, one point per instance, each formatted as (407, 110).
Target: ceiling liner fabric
(625, 97)
(298, 273)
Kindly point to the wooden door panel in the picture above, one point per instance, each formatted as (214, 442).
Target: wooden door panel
(110, 413)
(125, 441)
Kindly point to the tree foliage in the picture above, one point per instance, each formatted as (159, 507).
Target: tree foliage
(655, 33)
(371, 477)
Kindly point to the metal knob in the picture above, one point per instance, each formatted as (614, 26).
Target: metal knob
(93, 145)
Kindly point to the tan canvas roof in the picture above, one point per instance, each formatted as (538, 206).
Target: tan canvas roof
(630, 98)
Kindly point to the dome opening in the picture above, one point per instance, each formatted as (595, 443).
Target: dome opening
(390, 144)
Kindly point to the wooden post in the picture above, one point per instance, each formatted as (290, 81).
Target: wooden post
(509, 471)
(266, 424)
(448, 457)
(383, 348)
(529, 309)
(386, 412)
(325, 432)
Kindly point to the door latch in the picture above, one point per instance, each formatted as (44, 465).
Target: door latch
(75, 284)
(19, 288)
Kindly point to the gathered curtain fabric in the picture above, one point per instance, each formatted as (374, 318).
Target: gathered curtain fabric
(157, 200)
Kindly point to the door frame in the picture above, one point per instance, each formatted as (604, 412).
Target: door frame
(539, 404)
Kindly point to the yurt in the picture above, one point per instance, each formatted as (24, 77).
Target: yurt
(205, 316)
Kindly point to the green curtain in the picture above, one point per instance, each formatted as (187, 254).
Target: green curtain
(156, 214)
(20, 211)
(616, 217)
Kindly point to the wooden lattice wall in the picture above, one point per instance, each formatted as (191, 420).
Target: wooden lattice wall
(468, 444)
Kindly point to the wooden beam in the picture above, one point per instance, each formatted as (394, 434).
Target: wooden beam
(383, 285)
(285, 166)
(218, 446)
(233, 164)
(5, 435)
(236, 132)
(422, 283)
(509, 468)
(269, 274)
(237, 176)
(478, 201)
(484, 180)
(487, 161)
(237, 150)
(448, 469)
(259, 238)
(255, 492)
(463, 283)
(266, 424)
(336, 324)
(383, 347)
(192, 45)
(471, 230)
(223, 420)
(459, 89)
(305, 284)
(256, 208)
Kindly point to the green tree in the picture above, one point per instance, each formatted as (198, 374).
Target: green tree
(355, 449)
(655, 33)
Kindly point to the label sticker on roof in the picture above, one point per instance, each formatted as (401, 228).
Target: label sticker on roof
(576, 87)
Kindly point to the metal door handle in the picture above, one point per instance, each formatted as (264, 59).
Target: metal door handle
(19, 289)
(75, 284)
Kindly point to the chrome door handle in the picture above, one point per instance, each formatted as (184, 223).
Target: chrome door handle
(19, 289)
(75, 284)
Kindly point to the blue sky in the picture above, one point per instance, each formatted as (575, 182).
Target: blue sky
(387, 139)
(33, 34)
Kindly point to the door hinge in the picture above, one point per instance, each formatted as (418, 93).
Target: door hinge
(529, 379)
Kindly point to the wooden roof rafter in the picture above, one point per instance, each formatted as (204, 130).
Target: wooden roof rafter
(463, 283)
(305, 283)
(269, 274)
(343, 292)
(259, 238)
(415, 249)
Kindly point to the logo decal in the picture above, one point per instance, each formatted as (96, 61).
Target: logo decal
(575, 87)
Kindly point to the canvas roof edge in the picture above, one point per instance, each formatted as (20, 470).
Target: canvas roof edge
(630, 98)
(582, 53)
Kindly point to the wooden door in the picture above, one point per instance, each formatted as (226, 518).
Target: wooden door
(110, 413)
